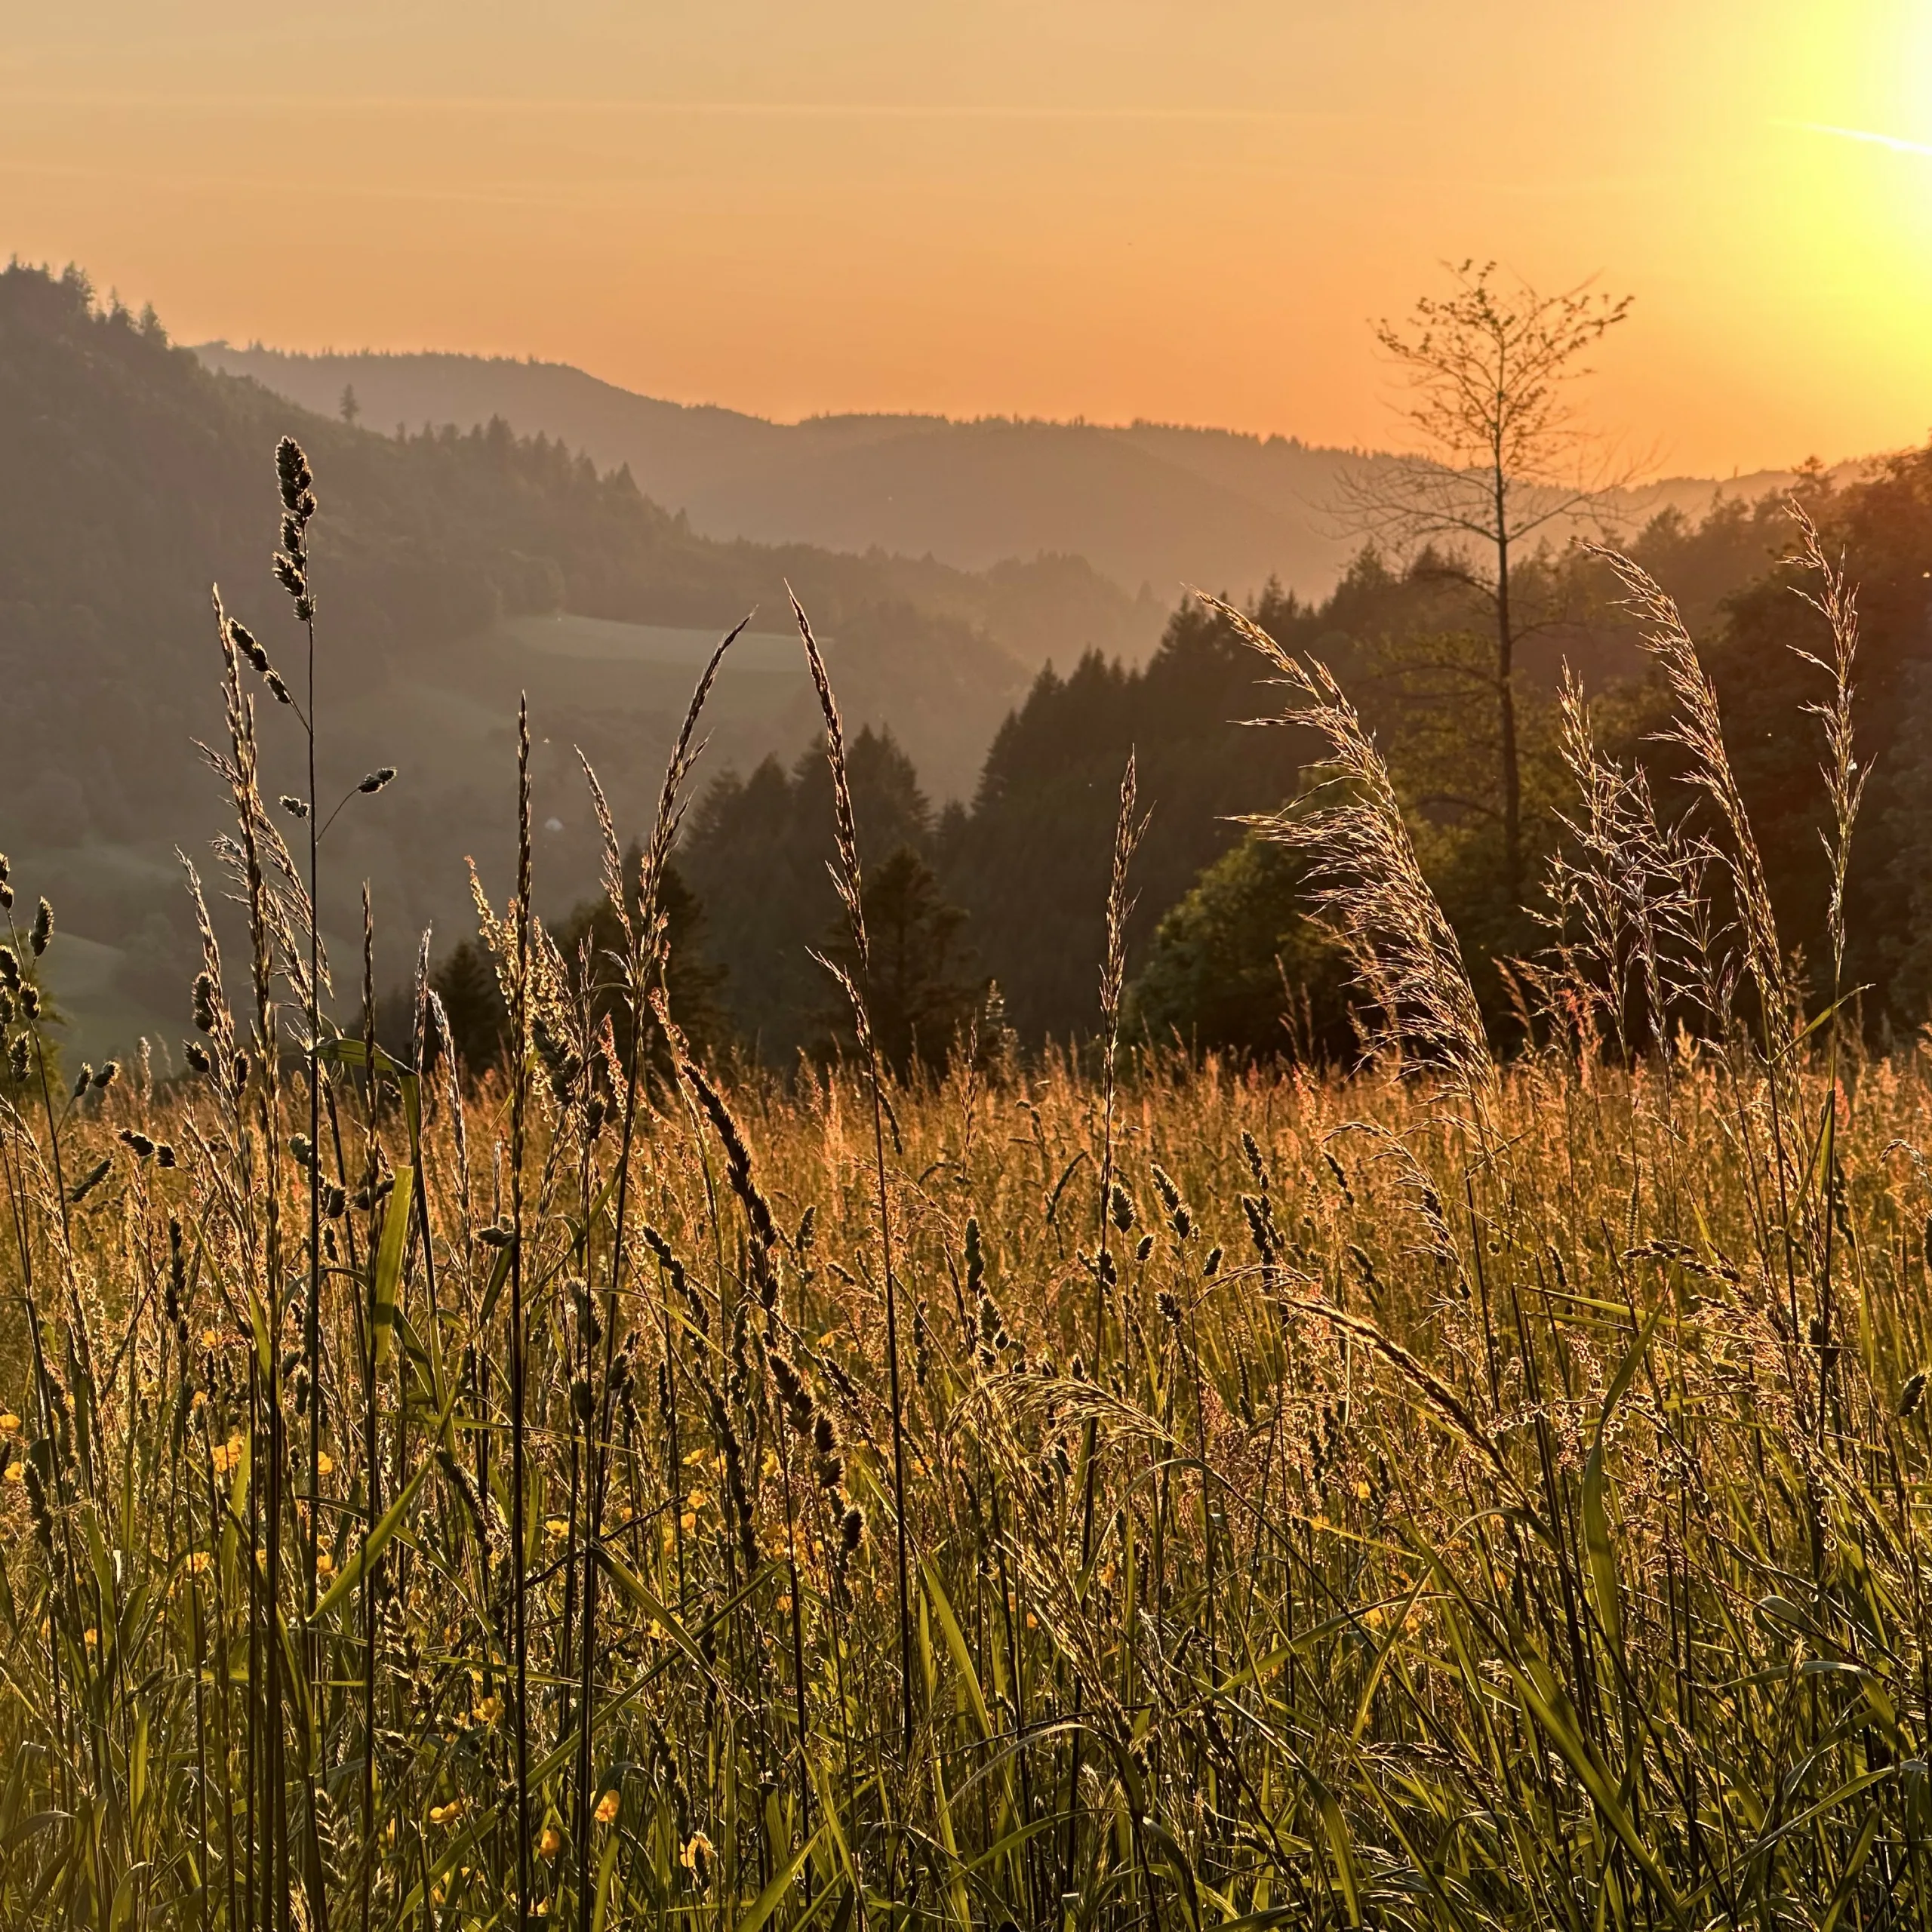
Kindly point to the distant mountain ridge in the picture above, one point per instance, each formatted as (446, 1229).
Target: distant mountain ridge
(1152, 507)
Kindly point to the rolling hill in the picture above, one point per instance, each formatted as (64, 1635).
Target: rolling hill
(1151, 506)
(454, 571)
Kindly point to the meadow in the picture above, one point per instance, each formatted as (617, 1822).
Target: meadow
(1115, 1489)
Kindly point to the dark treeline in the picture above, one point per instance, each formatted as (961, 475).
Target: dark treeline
(1222, 953)
(130, 475)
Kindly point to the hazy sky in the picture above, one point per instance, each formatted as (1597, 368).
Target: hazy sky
(1108, 207)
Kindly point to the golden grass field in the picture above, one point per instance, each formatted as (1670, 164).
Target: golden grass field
(624, 1492)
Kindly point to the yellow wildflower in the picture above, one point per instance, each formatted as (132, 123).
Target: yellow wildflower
(550, 1844)
(17, 1472)
(324, 1462)
(607, 1808)
(324, 1563)
(489, 1710)
(10, 1424)
(696, 1856)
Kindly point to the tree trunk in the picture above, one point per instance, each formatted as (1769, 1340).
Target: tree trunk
(1505, 701)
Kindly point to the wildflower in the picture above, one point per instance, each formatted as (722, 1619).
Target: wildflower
(10, 1424)
(696, 1858)
(489, 1710)
(324, 1563)
(17, 1472)
(199, 1563)
(211, 1339)
(324, 1462)
(550, 1844)
(557, 1526)
(90, 1638)
(607, 1808)
(200, 1400)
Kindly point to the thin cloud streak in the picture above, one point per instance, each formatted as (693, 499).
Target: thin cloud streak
(695, 109)
(1867, 136)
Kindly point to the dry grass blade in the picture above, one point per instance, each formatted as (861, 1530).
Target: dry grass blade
(1366, 879)
(1698, 730)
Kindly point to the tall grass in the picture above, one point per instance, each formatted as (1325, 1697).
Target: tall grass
(1462, 1494)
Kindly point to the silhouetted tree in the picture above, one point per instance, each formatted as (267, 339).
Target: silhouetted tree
(473, 1004)
(691, 980)
(918, 998)
(755, 853)
(1489, 371)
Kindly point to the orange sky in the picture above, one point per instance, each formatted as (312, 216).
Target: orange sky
(1107, 207)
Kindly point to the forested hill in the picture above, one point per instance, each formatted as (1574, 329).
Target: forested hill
(452, 570)
(1147, 504)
